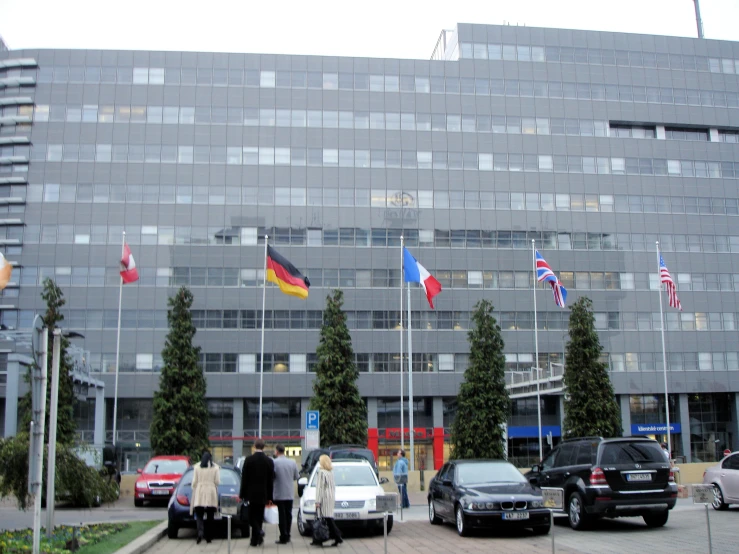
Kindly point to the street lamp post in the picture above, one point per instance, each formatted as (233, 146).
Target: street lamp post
(53, 414)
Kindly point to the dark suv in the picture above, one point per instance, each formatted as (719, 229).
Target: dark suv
(610, 478)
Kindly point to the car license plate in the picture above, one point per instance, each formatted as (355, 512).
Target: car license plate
(346, 515)
(514, 516)
(160, 492)
(638, 476)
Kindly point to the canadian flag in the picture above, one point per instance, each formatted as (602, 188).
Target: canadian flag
(129, 273)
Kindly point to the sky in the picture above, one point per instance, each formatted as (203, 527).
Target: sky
(379, 28)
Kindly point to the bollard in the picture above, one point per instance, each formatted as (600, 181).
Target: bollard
(384, 524)
(228, 525)
(551, 530)
(708, 525)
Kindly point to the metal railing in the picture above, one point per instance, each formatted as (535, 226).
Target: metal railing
(522, 384)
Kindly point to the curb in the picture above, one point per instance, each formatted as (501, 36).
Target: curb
(145, 541)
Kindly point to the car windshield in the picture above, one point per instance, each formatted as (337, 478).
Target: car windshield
(351, 476)
(351, 455)
(631, 452)
(488, 472)
(228, 477)
(166, 466)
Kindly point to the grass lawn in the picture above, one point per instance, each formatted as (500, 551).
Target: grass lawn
(118, 540)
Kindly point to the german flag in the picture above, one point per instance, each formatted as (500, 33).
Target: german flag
(286, 275)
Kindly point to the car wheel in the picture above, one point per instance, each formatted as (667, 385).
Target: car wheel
(461, 523)
(718, 499)
(576, 512)
(304, 528)
(542, 529)
(138, 503)
(656, 520)
(172, 530)
(433, 518)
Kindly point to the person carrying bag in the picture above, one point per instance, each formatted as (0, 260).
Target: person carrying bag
(325, 499)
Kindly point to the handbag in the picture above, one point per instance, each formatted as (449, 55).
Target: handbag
(320, 528)
(271, 515)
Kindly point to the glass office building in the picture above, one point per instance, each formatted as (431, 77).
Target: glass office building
(595, 145)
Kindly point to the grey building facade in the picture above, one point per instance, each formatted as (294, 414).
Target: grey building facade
(595, 145)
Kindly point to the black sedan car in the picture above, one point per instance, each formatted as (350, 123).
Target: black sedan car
(179, 503)
(486, 494)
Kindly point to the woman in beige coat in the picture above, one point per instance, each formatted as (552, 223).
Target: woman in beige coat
(325, 499)
(205, 481)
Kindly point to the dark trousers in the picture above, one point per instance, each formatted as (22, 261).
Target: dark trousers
(205, 527)
(333, 531)
(256, 519)
(285, 509)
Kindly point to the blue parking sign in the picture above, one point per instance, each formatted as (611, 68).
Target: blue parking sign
(312, 420)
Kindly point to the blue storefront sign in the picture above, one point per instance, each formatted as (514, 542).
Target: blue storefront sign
(532, 431)
(654, 428)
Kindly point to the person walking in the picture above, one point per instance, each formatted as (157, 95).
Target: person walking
(205, 481)
(325, 498)
(257, 477)
(286, 471)
(400, 474)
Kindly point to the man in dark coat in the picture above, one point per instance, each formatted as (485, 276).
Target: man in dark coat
(257, 477)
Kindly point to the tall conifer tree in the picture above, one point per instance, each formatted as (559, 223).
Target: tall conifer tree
(590, 403)
(180, 421)
(335, 392)
(483, 402)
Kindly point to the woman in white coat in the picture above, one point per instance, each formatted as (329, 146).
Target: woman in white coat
(205, 495)
(325, 498)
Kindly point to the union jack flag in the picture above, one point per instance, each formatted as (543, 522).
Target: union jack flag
(666, 278)
(545, 273)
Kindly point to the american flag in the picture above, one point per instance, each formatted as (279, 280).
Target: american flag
(545, 273)
(666, 278)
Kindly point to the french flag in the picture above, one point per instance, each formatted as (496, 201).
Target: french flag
(129, 273)
(416, 273)
(545, 273)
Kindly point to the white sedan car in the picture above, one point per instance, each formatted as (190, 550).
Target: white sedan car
(357, 487)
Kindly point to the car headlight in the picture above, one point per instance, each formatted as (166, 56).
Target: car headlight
(141, 485)
(535, 503)
(309, 505)
(372, 503)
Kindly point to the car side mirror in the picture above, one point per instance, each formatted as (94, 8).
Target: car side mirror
(139, 470)
(447, 482)
(302, 482)
(383, 480)
(536, 468)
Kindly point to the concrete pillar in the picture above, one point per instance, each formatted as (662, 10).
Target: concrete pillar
(685, 427)
(661, 132)
(734, 429)
(238, 428)
(562, 413)
(372, 413)
(625, 404)
(438, 412)
(713, 135)
(304, 405)
(99, 434)
(12, 391)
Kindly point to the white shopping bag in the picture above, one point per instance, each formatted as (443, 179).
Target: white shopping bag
(271, 515)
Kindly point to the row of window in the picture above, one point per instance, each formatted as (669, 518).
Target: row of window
(426, 362)
(596, 56)
(371, 278)
(380, 320)
(407, 159)
(331, 119)
(442, 85)
(376, 237)
(375, 198)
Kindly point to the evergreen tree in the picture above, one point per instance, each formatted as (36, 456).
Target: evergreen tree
(590, 403)
(482, 403)
(180, 421)
(335, 391)
(66, 424)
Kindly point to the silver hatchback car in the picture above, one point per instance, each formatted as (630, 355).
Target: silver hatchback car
(725, 480)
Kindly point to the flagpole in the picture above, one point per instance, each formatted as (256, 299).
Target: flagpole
(402, 426)
(536, 354)
(118, 348)
(410, 381)
(261, 357)
(664, 353)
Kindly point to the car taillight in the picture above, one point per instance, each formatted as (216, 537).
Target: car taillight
(183, 499)
(597, 477)
(672, 476)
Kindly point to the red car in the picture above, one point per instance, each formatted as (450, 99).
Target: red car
(159, 478)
